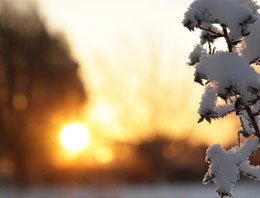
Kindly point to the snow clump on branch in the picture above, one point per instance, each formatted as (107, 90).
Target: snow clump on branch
(231, 13)
(230, 73)
(225, 166)
(229, 76)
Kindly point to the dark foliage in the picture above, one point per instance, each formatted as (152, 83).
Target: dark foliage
(39, 89)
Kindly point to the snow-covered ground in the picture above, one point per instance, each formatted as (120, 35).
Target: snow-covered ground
(193, 190)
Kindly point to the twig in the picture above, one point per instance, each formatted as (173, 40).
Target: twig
(253, 121)
(209, 30)
(238, 138)
(244, 129)
(214, 49)
(210, 50)
(229, 43)
(256, 113)
(247, 108)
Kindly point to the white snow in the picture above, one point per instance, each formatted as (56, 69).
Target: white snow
(223, 110)
(229, 76)
(229, 70)
(208, 107)
(195, 55)
(206, 36)
(249, 170)
(236, 15)
(208, 100)
(176, 190)
(247, 124)
(251, 44)
(224, 165)
(251, 4)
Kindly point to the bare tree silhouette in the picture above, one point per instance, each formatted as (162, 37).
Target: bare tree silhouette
(39, 87)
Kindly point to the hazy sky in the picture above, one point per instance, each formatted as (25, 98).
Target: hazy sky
(102, 25)
(99, 23)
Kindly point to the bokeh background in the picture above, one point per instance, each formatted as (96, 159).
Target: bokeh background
(117, 70)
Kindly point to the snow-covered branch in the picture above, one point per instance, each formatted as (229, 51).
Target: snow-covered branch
(226, 165)
(231, 77)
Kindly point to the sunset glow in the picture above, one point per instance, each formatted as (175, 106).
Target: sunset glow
(99, 98)
(74, 137)
(104, 155)
(133, 62)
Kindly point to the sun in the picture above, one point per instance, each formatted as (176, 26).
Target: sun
(74, 137)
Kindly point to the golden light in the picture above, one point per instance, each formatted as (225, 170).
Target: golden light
(106, 28)
(103, 112)
(104, 155)
(74, 137)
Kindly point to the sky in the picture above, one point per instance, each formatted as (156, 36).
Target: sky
(135, 45)
(99, 24)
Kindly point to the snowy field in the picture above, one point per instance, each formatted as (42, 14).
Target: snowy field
(194, 190)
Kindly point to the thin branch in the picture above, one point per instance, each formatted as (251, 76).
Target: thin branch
(256, 61)
(214, 49)
(247, 108)
(244, 129)
(229, 43)
(209, 30)
(238, 138)
(253, 121)
(242, 123)
(210, 50)
(256, 113)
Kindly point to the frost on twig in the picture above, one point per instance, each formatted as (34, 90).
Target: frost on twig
(196, 54)
(225, 166)
(209, 110)
(250, 171)
(252, 4)
(246, 125)
(208, 103)
(251, 49)
(236, 15)
(229, 76)
(223, 110)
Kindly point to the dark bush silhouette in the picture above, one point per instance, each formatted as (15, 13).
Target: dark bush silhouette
(172, 159)
(40, 89)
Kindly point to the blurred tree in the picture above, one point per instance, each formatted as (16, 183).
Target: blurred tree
(39, 88)
(151, 151)
(171, 159)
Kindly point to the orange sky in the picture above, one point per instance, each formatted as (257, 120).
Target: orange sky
(133, 52)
